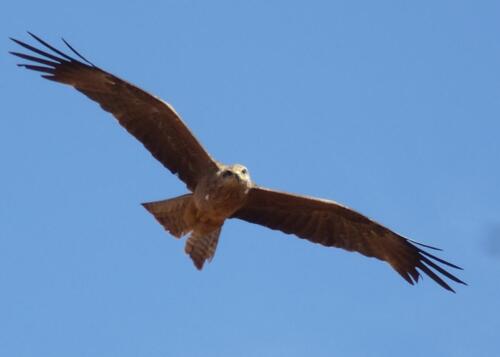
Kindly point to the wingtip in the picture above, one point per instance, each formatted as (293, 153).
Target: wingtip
(77, 53)
(424, 245)
(15, 40)
(32, 35)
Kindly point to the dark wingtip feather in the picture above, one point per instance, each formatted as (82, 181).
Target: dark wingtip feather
(69, 58)
(17, 41)
(50, 61)
(415, 275)
(405, 275)
(434, 276)
(34, 59)
(418, 262)
(77, 53)
(441, 270)
(423, 245)
(439, 259)
(426, 261)
(50, 77)
(40, 52)
(37, 68)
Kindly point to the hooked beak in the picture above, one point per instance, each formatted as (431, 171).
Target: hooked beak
(228, 173)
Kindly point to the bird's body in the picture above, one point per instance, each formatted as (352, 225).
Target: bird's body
(219, 192)
(201, 214)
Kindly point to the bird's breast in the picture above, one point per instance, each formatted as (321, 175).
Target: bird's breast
(216, 199)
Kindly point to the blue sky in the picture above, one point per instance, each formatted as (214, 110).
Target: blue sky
(390, 107)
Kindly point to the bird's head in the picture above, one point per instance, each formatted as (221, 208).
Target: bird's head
(236, 174)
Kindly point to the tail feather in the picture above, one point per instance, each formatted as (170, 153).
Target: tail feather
(178, 216)
(173, 214)
(201, 247)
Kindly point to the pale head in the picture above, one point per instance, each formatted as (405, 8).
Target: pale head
(235, 174)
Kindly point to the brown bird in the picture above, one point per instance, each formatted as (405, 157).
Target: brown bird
(219, 192)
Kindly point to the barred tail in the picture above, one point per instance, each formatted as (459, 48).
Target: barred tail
(201, 247)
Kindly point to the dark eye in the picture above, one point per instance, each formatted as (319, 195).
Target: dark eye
(244, 171)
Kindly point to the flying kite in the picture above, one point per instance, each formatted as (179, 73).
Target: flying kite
(218, 191)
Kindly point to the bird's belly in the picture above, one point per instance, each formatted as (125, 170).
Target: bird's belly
(219, 204)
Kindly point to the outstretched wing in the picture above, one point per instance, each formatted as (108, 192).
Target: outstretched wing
(152, 121)
(332, 225)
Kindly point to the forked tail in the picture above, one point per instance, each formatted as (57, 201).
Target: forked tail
(178, 216)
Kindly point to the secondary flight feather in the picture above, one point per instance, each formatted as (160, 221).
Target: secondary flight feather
(218, 191)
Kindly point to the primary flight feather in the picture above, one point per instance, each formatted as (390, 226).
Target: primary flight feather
(219, 192)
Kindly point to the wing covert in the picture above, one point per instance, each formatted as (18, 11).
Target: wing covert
(333, 225)
(149, 119)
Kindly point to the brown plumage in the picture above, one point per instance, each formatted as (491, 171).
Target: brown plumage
(218, 191)
(153, 122)
(201, 247)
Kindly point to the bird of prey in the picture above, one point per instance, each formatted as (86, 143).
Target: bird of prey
(219, 192)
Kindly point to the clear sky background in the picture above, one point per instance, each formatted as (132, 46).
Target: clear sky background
(390, 107)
